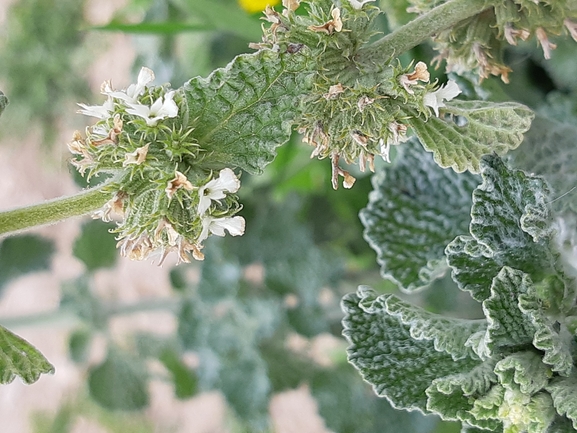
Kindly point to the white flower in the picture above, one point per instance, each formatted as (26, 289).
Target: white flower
(436, 99)
(217, 226)
(131, 94)
(103, 111)
(162, 108)
(216, 188)
(358, 4)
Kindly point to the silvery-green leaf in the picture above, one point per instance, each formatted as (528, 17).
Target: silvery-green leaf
(242, 113)
(524, 369)
(509, 227)
(448, 334)
(508, 326)
(414, 211)
(549, 150)
(551, 337)
(487, 406)
(471, 129)
(453, 396)
(382, 349)
(20, 358)
(563, 392)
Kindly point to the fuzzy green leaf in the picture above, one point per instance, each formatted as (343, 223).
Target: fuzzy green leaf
(490, 128)
(525, 369)
(508, 326)
(414, 211)
(509, 227)
(550, 336)
(450, 396)
(243, 112)
(562, 391)
(3, 102)
(549, 150)
(20, 358)
(448, 334)
(383, 350)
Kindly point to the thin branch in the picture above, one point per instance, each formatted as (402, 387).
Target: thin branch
(417, 31)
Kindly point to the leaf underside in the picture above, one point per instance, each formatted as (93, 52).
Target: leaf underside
(471, 129)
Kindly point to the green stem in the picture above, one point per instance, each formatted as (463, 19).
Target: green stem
(53, 211)
(418, 30)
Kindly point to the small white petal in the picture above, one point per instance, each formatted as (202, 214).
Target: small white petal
(103, 111)
(216, 188)
(131, 94)
(436, 99)
(162, 108)
(217, 226)
(145, 77)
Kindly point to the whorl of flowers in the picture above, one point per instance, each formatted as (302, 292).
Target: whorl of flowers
(354, 112)
(162, 187)
(478, 43)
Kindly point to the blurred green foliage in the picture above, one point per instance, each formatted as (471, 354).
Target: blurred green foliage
(303, 247)
(43, 63)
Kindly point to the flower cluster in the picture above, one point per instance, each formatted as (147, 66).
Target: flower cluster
(356, 123)
(355, 111)
(479, 42)
(168, 198)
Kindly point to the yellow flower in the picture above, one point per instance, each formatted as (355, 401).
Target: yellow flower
(254, 6)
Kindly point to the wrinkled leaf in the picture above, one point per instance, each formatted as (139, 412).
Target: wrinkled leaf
(509, 227)
(562, 391)
(525, 369)
(414, 211)
(243, 112)
(382, 349)
(472, 129)
(22, 254)
(508, 326)
(549, 150)
(450, 396)
(20, 358)
(448, 334)
(550, 336)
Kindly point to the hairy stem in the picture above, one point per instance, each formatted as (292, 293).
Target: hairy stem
(53, 211)
(417, 31)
